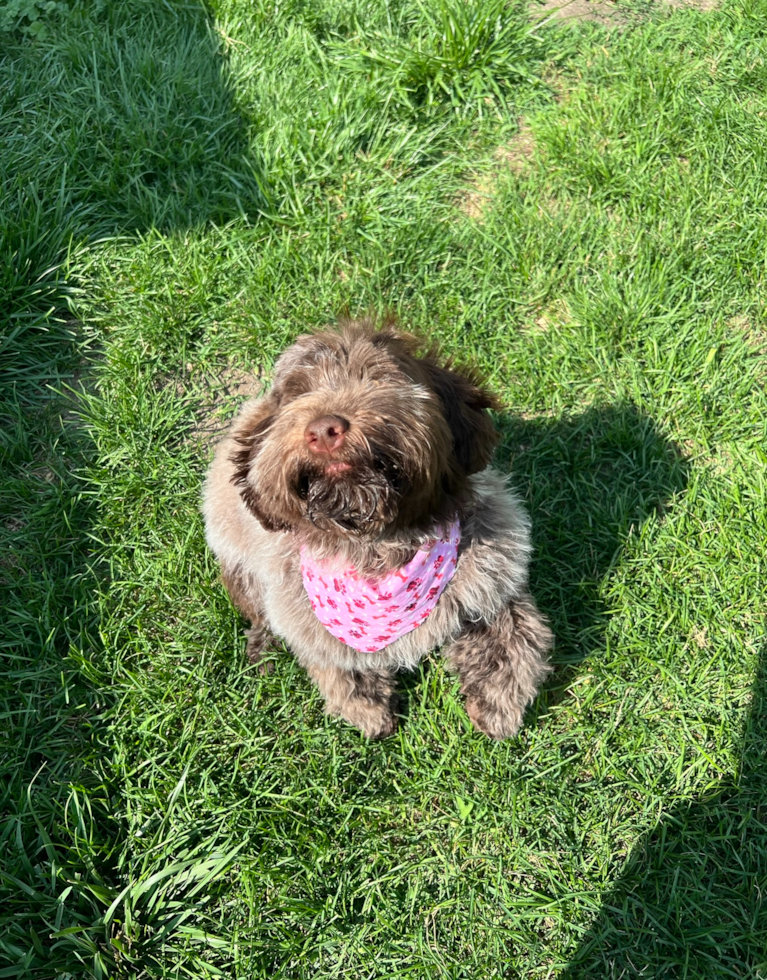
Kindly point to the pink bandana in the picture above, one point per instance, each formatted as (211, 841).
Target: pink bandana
(369, 614)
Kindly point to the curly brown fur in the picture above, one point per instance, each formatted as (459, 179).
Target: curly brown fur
(501, 666)
(405, 450)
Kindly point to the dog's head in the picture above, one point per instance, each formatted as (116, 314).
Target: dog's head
(359, 435)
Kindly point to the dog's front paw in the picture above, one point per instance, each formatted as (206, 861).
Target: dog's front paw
(364, 698)
(374, 720)
(501, 666)
(496, 721)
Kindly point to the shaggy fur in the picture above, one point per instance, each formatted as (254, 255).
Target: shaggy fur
(415, 444)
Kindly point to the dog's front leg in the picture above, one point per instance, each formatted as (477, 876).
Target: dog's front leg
(501, 666)
(364, 698)
(245, 592)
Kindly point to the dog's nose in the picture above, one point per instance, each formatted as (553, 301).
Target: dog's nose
(327, 434)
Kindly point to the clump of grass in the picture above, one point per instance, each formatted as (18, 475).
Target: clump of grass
(465, 52)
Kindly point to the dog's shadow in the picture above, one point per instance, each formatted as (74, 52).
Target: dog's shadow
(588, 481)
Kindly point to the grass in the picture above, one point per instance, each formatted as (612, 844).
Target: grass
(185, 189)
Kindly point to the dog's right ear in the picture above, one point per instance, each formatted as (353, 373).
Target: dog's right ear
(248, 433)
(464, 398)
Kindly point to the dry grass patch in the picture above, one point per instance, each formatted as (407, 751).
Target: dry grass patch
(609, 12)
(514, 156)
(554, 314)
(704, 5)
(755, 336)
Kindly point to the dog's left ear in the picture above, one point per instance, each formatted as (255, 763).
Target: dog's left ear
(465, 404)
(464, 400)
(248, 433)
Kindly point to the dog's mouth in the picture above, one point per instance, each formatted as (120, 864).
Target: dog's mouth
(336, 467)
(359, 497)
(309, 482)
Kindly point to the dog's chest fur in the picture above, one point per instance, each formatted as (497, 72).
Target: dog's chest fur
(491, 570)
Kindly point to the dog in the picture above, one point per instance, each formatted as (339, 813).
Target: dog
(354, 514)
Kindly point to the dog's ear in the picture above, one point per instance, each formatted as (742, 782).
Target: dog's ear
(248, 433)
(464, 399)
(464, 403)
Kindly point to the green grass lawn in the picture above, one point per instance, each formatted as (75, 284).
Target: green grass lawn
(185, 189)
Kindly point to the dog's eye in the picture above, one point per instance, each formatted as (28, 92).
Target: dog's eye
(302, 487)
(293, 387)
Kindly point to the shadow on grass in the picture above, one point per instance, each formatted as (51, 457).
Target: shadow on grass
(588, 482)
(123, 121)
(690, 900)
(129, 123)
(689, 903)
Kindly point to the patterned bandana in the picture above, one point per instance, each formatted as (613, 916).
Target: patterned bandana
(368, 614)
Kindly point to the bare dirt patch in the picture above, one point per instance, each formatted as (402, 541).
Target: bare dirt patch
(602, 11)
(516, 155)
(608, 11)
(513, 156)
